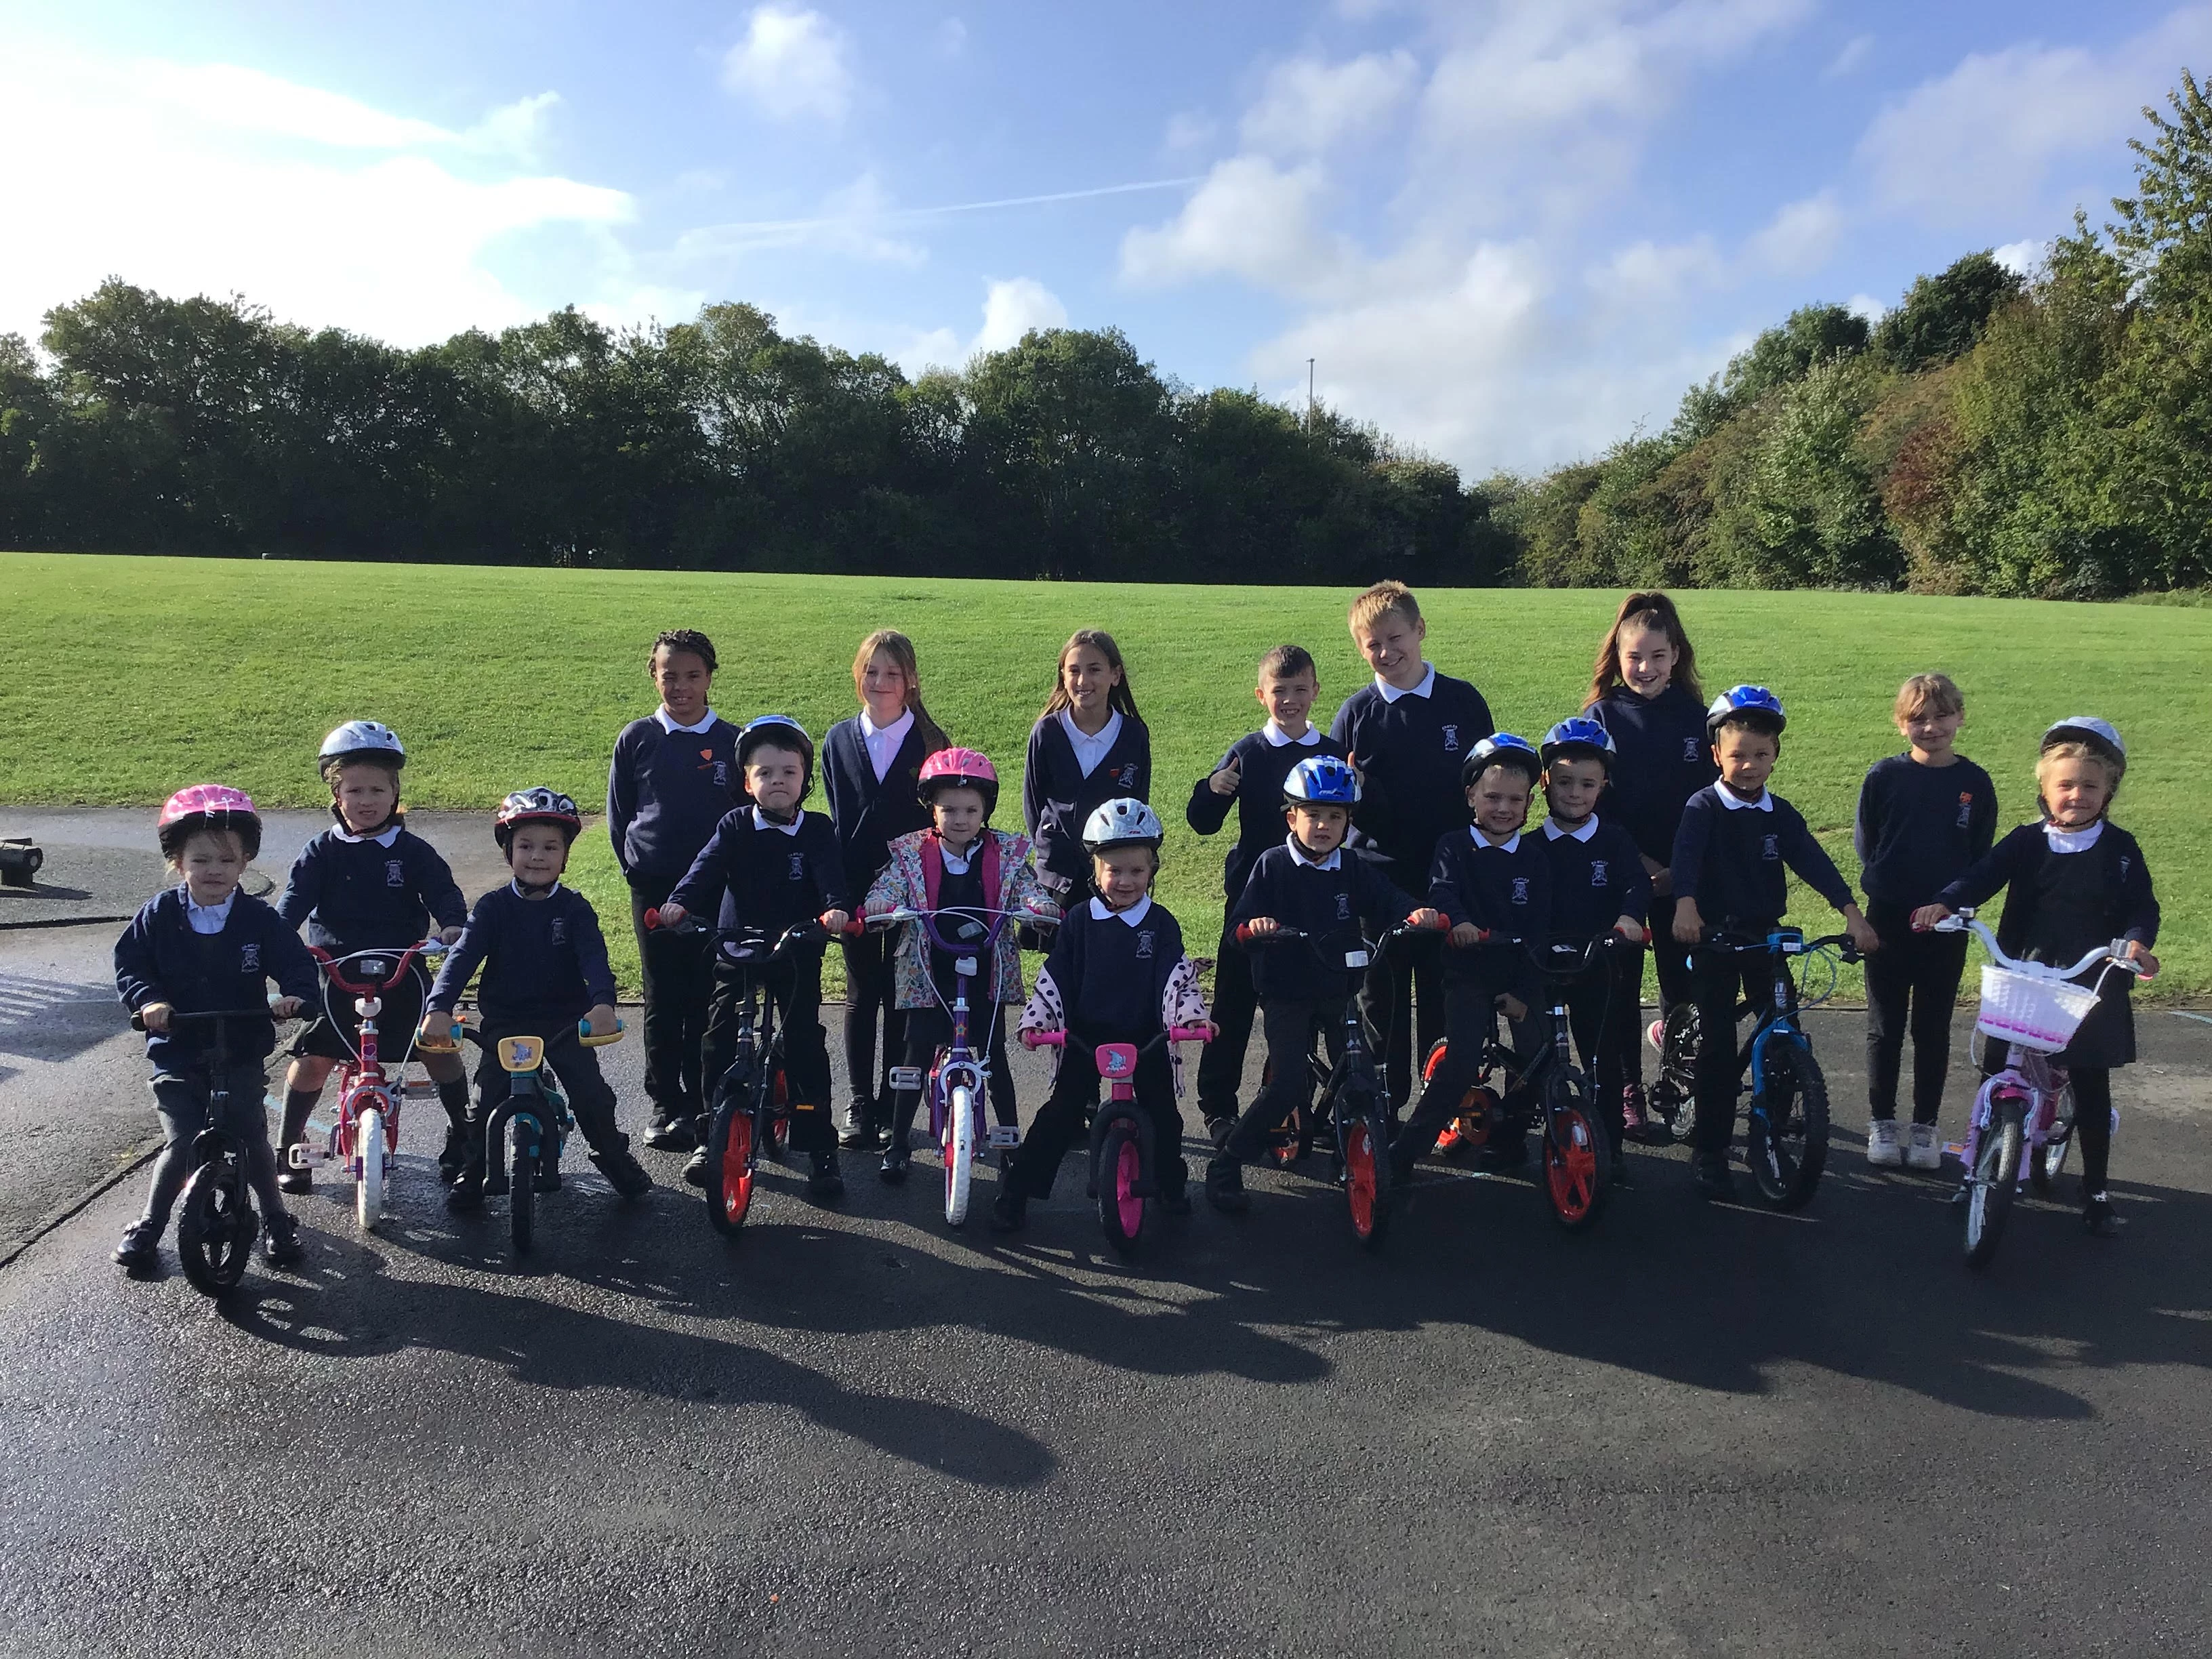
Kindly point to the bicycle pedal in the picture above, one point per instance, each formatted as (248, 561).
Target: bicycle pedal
(1005, 1134)
(906, 1077)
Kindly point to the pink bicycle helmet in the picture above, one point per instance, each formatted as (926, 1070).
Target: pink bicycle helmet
(959, 769)
(208, 806)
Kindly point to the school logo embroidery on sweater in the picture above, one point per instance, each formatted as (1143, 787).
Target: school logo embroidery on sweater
(395, 873)
(1520, 889)
(1144, 944)
(1771, 848)
(1451, 739)
(1126, 775)
(1597, 872)
(560, 932)
(1689, 749)
(249, 959)
(1344, 907)
(799, 866)
(1966, 806)
(721, 775)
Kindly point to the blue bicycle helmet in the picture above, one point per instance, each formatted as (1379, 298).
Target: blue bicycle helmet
(1754, 705)
(1324, 780)
(1501, 748)
(1578, 738)
(784, 732)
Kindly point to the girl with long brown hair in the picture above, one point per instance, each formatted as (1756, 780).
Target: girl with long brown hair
(1088, 747)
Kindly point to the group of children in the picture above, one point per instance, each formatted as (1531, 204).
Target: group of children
(1660, 828)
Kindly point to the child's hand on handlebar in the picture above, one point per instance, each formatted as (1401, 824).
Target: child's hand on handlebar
(1466, 933)
(285, 1007)
(836, 921)
(1428, 919)
(155, 1016)
(1630, 929)
(600, 1021)
(670, 915)
(1861, 933)
(1260, 927)
(436, 1028)
(449, 935)
(2143, 960)
(1689, 923)
(1928, 916)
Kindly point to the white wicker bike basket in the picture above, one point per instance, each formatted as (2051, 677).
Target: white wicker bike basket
(2035, 1013)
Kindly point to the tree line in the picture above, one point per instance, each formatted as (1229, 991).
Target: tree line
(2048, 435)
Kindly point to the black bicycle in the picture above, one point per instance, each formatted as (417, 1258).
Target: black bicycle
(216, 1220)
(1576, 1155)
(750, 1111)
(1352, 1097)
(1786, 1135)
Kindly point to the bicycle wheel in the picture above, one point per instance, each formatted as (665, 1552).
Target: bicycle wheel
(368, 1187)
(1990, 1183)
(2050, 1158)
(1366, 1171)
(729, 1168)
(959, 1149)
(521, 1194)
(1787, 1144)
(216, 1225)
(1674, 1095)
(1120, 1177)
(1577, 1157)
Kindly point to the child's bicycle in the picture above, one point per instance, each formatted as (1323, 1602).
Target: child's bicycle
(216, 1222)
(750, 1111)
(956, 1082)
(1576, 1154)
(2024, 1115)
(1124, 1164)
(1786, 1141)
(366, 1136)
(1351, 1097)
(536, 1114)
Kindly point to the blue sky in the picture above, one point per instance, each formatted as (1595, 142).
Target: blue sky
(1508, 231)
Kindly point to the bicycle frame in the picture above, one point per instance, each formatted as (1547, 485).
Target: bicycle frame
(363, 1084)
(962, 1062)
(1779, 1018)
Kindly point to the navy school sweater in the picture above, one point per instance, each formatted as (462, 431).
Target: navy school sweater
(868, 816)
(1732, 861)
(160, 959)
(1506, 890)
(1409, 753)
(1596, 879)
(1057, 796)
(367, 896)
(2045, 914)
(753, 874)
(1918, 827)
(1112, 976)
(1332, 902)
(665, 792)
(1258, 800)
(544, 962)
(1663, 758)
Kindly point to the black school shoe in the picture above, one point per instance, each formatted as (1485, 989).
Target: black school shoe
(2097, 1215)
(1009, 1210)
(468, 1189)
(1224, 1186)
(280, 1240)
(455, 1155)
(1174, 1200)
(825, 1179)
(139, 1249)
(896, 1160)
(1711, 1173)
(624, 1172)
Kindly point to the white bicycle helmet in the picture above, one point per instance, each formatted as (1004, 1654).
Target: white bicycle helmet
(1126, 822)
(361, 740)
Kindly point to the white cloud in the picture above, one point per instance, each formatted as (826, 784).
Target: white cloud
(1307, 107)
(215, 179)
(1800, 237)
(1250, 218)
(1984, 139)
(1856, 52)
(792, 63)
(1188, 131)
(1647, 273)
(1866, 306)
(2022, 259)
(1011, 309)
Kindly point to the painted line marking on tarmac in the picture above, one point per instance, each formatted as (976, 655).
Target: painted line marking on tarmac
(2183, 1013)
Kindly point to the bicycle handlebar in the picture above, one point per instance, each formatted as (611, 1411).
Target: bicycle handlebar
(1959, 920)
(425, 949)
(1063, 1039)
(583, 1036)
(1719, 941)
(178, 1016)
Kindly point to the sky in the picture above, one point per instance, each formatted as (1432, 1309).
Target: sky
(1507, 231)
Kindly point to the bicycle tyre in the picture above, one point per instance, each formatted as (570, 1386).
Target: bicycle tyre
(522, 1179)
(368, 1187)
(959, 1148)
(729, 1169)
(1578, 1159)
(1366, 1175)
(1675, 1093)
(779, 1128)
(216, 1225)
(1992, 1182)
(1122, 1206)
(2049, 1159)
(1787, 1144)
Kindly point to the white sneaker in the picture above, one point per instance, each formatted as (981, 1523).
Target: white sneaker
(1881, 1144)
(1926, 1151)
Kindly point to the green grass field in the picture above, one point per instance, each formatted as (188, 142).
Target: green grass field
(122, 678)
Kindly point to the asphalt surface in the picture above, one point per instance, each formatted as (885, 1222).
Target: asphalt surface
(1693, 1430)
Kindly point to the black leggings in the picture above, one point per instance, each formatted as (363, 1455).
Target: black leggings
(1911, 982)
(1075, 1091)
(2092, 1115)
(870, 997)
(182, 1102)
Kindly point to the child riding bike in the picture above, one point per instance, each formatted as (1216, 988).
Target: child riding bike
(200, 946)
(2072, 882)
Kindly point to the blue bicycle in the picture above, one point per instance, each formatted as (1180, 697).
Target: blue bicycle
(1786, 1135)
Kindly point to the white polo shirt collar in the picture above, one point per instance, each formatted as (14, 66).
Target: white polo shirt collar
(1552, 832)
(1474, 835)
(382, 838)
(1277, 738)
(1392, 693)
(668, 722)
(1102, 911)
(761, 820)
(1736, 803)
(2072, 841)
(1334, 860)
(957, 864)
(206, 918)
(882, 742)
(1090, 749)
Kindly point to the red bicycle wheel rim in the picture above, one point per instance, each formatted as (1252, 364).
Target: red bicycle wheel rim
(1359, 1180)
(1128, 1171)
(1571, 1167)
(737, 1170)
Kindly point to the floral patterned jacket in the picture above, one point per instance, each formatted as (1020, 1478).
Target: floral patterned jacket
(904, 884)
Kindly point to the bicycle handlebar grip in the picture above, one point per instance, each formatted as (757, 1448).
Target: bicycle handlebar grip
(1441, 925)
(1189, 1034)
(1044, 1039)
(584, 1034)
(652, 918)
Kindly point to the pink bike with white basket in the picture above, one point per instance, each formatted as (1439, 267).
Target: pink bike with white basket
(2023, 1118)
